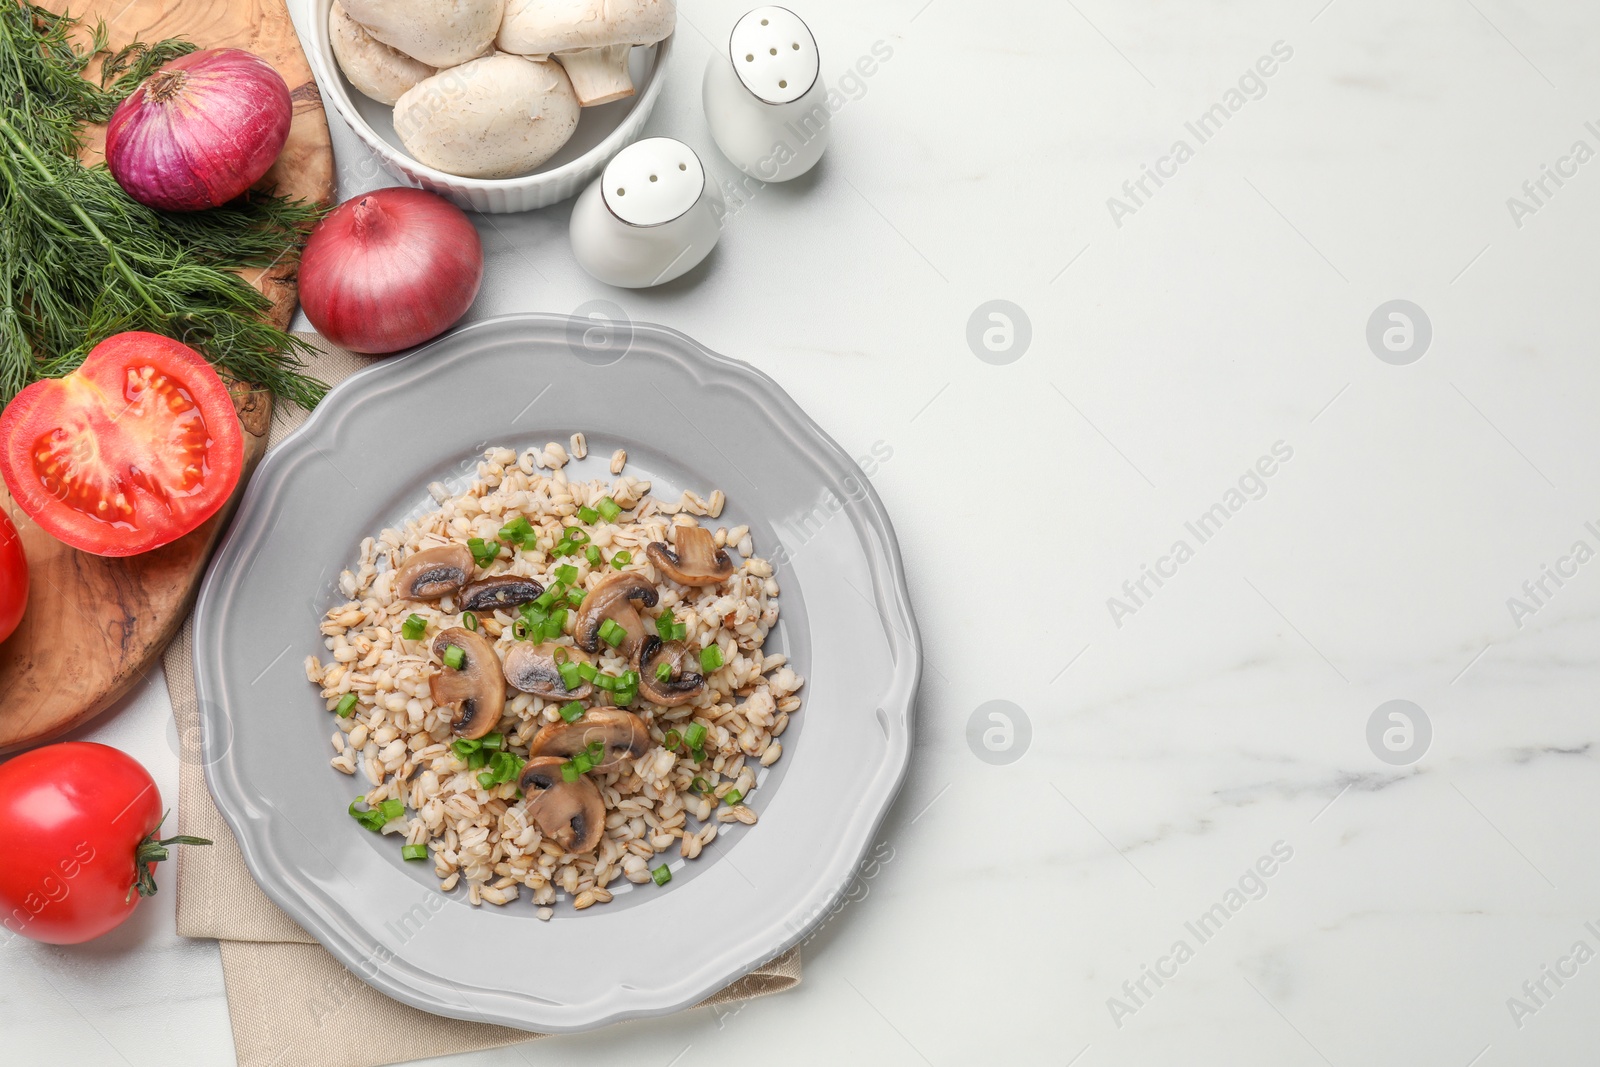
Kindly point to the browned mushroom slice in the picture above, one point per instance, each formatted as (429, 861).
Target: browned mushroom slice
(613, 599)
(694, 558)
(681, 686)
(539, 774)
(622, 734)
(476, 687)
(571, 814)
(533, 669)
(433, 573)
(501, 591)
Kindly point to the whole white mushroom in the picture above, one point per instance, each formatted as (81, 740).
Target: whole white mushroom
(495, 117)
(590, 38)
(440, 33)
(374, 68)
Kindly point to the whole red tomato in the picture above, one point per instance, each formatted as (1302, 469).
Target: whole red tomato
(13, 578)
(80, 825)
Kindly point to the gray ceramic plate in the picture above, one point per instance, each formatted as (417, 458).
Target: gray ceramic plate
(689, 419)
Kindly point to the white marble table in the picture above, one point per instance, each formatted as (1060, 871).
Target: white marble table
(1092, 902)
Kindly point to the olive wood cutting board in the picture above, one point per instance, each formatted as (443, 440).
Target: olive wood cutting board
(95, 625)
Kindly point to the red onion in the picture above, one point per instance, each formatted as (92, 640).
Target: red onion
(390, 269)
(199, 131)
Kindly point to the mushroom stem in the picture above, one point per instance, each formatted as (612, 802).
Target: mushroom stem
(599, 75)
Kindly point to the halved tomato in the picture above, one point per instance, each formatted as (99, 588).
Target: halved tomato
(130, 451)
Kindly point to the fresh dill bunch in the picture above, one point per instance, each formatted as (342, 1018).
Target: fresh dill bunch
(81, 260)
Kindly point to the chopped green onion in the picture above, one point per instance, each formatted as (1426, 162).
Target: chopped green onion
(570, 772)
(625, 695)
(483, 552)
(492, 741)
(565, 548)
(520, 629)
(518, 531)
(373, 818)
(454, 658)
(346, 705)
(465, 746)
(567, 573)
(697, 754)
(664, 625)
(608, 682)
(575, 597)
(695, 735)
(470, 621)
(574, 536)
(663, 672)
(699, 785)
(573, 711)
(622, 559)
(392, 809)
(661, 875)
(506, 765)
(608, 509)
(414, 627)
(630, 678)
(710, 658)
(592, 554)
(554, 625)
(414, 852)
(732, 797)
(587, 672)
(611, 633)
(547, 598)
(571, 676)
(486, 779)
(477, 759)
(672, 740)
(588, 515)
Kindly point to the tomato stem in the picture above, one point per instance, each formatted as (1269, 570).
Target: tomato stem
(153, 850)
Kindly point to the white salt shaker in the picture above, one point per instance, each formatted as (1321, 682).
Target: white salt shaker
(649, 218)
(765, 98)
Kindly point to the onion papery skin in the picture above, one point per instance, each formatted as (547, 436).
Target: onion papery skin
(200, 131)
(390, 269)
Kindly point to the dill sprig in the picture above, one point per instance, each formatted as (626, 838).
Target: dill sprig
(81, 260)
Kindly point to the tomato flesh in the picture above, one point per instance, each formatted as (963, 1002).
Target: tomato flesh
(134, 449)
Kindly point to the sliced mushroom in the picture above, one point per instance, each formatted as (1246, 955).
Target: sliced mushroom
(694, 558)
(622, 733)
(681, 687)
(570, 813)
(613, 599)
(501, 591)
(539, 774)
(533, 669)
(477, 688)
(433, 573)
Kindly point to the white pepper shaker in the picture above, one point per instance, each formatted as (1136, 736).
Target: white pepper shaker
(649, 218)
(765, 98)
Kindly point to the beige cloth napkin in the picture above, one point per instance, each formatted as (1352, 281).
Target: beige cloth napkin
(290, 1002)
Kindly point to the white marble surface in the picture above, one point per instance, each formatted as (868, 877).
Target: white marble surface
(1229, 711)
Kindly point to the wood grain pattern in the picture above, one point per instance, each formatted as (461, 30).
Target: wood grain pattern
(95, 626)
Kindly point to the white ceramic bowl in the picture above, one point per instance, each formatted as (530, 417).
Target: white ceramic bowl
(602, 132)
